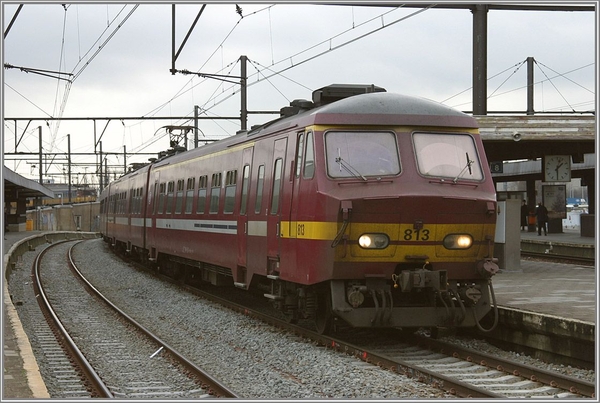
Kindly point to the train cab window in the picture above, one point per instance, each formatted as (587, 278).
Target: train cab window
(179, 197)
(361, 154)
(447, 155)
(259, 189)
(230, 187)
(170, 196)
(202, 185)
(245, 185)
(276, 186)
(189, 195)
(215, 193)
(309, 160)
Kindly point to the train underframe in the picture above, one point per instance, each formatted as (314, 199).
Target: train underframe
(408, 299)
(429, 300)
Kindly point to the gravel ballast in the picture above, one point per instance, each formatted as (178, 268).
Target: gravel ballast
(252, 358)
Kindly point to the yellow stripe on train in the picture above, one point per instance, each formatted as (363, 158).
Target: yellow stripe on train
(405, 240)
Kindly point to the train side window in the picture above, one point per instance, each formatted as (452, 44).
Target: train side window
(215, 193)
(230, 187)
(133, 200)
(138, 201)
(133, 203)
(276, 186)
(132, 194)
(189, 195)
(179, 197)
(299, 152)
(309, 161)
(201, 203)
(245, 185)
(259, 189)
(160, 198)
(123, 202)
(141, 206)
(170, 196)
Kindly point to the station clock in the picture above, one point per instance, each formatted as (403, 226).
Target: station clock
(556, 168)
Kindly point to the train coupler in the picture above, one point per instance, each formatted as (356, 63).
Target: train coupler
(408, 280)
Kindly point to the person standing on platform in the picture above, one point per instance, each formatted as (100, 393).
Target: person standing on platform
(541, 213)
(524, 215)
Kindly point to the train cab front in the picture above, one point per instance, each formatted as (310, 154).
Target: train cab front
(414, 246)
(402, 275)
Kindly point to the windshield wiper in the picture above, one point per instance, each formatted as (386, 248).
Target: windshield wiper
(349, 168)
(469, 163)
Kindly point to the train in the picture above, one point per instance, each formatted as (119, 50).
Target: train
(360, 208)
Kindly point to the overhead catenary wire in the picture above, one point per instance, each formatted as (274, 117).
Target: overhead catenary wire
(184, 89)
(59, 113)
(563, 75)
(103, 44)
(330, 49)
(233, 92)
(28, 100)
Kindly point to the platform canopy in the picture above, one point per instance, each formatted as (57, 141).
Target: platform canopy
(16, 187)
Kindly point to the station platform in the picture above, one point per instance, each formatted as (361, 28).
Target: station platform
(568, 243)
(565, 291)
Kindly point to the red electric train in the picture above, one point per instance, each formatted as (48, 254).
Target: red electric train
(364, 206)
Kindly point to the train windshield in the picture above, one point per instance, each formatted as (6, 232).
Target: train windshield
(361, 154)
(447, 155)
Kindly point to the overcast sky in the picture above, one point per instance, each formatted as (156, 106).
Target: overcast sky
(292, 50)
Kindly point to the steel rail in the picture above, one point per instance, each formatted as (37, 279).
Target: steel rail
(560, 258)
(214, 386)
(450, 385)
(65, 340)
(549, 378)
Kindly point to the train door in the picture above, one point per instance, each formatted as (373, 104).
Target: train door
(294, 188)
(242, 225)
(151, 212)
(302, 170)
(296, 182)
(274, 211)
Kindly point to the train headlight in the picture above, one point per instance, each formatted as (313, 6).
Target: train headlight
(458, 241)
(373, 241)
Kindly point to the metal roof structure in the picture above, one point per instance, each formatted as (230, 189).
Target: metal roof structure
(16, 186)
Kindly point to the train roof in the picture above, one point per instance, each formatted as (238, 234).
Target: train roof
(343, 104)
(365, 105)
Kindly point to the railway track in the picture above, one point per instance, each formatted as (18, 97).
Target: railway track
(458, 371)
(446, 370)
(113, 361)
(558, 258)
(465, 372)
